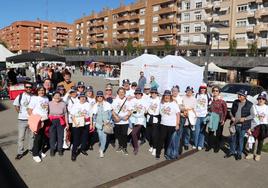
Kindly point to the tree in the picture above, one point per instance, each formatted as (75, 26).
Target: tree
(167, 47)
(139, 49)
(232, 47)
(129, 47)
(253, 49)
(99, 47)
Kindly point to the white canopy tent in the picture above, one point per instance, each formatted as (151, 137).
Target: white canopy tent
(175, 70)
(214, 68)
(4, 53)
(131, 69)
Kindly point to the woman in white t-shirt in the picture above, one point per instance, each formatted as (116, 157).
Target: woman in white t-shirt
(121, 113)
(39, 106)
(153, 120)
(80, 113)
(201, 110)
(260, 132)
(138, 120)
(170, 121)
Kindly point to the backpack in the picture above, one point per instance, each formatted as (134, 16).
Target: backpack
(20, 97)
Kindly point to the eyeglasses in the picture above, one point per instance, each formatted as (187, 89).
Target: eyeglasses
(215, 90)
(28, 87)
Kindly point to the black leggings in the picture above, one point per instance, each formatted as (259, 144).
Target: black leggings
(152, 134)
(120, 132)
(165, 134)
(214, 141)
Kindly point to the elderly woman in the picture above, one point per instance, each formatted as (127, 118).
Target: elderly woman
(80, 113)
(59, 119)
(39, 106)
(170, 121)
(101, 114)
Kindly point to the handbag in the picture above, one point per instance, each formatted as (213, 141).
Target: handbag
(34, 122)
(108, 128)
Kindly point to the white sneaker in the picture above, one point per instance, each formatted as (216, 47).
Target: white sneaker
(154, 152)
(199, 148)
(43, 155)
(194, 147)
(101, 154)
(151, 149)
(37, 159)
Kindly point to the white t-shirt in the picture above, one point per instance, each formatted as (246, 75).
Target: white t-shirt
(79, 110)
(23, 104)
(153, 108)
(130, 93)
(201, 109)
(189, 102)
(71, 102)
(168, 113)
(179, 100)
(139, 106)
(146, 97)
(116, 105)
(106, 107)
(91, 101)
(261, 114)
(39, 105)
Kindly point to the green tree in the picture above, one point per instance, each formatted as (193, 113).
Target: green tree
(130, 49)
(99, 47)
(232, 47)
(253, 49)
(167, 47)
(139, 49)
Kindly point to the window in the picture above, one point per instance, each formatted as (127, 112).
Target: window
(240, 36)
(114, 26)
(198, 5)
(186, 16)
(198, 15)
(114, 34)
(141, 31)
(197, 28)
(155, 19)
(241, 23)
(154, 39)
(142, 11)
(224, 37)
(187, 5)
(141, 40)
(106, 19)
(142, 22)
(242, 8)
(186, 29)
(155, 29)
(156, 8)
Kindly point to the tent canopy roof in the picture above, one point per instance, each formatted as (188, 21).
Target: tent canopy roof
(35, 56)
(214, 68)
(143, 59)
(4, 53)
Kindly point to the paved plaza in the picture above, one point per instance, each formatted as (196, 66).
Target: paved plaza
(200, 169)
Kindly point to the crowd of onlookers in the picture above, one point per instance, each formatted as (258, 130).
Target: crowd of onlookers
(62, 115)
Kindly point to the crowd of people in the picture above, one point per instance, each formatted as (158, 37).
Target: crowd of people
(65, 116)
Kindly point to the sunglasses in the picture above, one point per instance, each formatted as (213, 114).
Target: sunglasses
(99, 96)
(81, 86)
(28, 87)
(260, 99)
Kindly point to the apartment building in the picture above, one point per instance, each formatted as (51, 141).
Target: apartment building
(246, 21)
(34, 35)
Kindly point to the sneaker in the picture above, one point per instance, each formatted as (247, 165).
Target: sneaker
(52, 153)
(154, 152)
(186, 148)
(37, 159)
(257, 158)
(151, 149)
(60, 153)
(119, 149)
(194, 147)
(157, 157)
(101, 154)
(43, 155)
(125, 151)
(249, 156)
(18, 157)
(73, 158)
(199, 148)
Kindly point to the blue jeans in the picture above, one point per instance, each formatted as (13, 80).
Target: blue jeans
(187, 135)
(102, 139)
(200, 129)
(237, 138)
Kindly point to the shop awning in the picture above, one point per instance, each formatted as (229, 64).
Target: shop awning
(262, 70)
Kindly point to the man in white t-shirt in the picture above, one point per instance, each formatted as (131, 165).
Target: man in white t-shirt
(21, 103)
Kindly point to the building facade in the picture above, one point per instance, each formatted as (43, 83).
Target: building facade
(26, 36)
(182, 22)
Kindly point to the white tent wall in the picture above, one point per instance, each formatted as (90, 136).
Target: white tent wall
(131, 69)
(175, 70)
(4, 53)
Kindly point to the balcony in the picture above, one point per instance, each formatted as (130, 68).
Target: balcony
(100, 23)
(134, 26)
(134, 35)
(167, 31)
(123, 18)
(261, 27)
(123, 36)
(217, 4)
(250, 29)
(167, 21)
(263, 43)
(134, 17)
(92, 32)
(167, 10)
(99, 31)
(208, 6)
(250, 14)
(123, 27)
(261, 12)
(99, 39)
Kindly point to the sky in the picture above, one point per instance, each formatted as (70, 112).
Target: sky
(51, 10)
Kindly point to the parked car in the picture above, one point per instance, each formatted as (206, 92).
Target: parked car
(229, 92)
